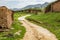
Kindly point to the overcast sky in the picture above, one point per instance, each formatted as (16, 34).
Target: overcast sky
(21, 3)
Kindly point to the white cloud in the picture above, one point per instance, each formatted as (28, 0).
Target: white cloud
(30, 0)
(21, 3)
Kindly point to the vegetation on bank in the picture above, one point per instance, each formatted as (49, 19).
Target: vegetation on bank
(50, 21)
(16, 26)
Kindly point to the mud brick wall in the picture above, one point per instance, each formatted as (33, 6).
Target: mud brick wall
(56, 6)
(53, 7)
(9, 18)
(5, 17)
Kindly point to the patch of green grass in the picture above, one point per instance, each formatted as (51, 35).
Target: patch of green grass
(50, 21)
(17, 27)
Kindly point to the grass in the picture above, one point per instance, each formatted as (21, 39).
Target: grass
(17, 26)
(50, 21)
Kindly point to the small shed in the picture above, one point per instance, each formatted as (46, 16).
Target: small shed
(6, 18)
(53, 7)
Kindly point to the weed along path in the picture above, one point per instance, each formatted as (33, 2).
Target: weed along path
(35, 32)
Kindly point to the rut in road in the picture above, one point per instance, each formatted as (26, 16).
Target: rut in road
(35, 32)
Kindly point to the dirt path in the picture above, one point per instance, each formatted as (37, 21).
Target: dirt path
(35, 32)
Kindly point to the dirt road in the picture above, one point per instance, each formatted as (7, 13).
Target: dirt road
(35, 32)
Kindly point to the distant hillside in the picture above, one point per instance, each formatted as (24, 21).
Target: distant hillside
(37, 6)
(45, 4)
(33, 6)
(16, 9)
